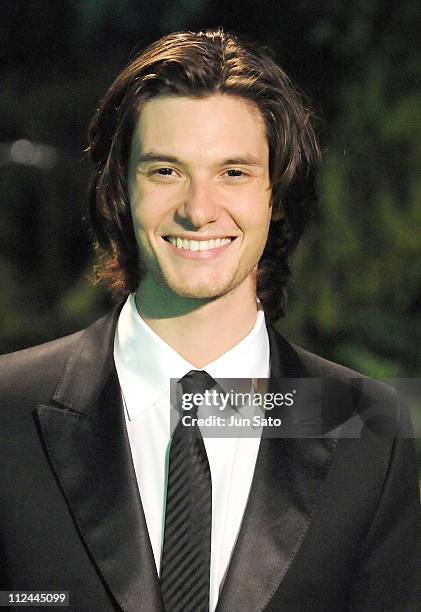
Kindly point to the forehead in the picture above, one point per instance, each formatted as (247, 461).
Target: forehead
(219, 124)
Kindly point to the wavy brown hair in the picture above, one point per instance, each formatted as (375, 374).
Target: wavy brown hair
(199, 65)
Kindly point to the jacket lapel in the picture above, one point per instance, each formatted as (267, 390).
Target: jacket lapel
(286, 485)
(86, 440)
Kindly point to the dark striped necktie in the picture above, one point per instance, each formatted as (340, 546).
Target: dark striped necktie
(185, 569)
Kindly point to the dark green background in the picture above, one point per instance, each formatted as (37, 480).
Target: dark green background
(356, 292)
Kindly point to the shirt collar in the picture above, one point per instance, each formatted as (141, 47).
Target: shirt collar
(145, 363)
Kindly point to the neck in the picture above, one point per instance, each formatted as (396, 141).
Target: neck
(199, 330)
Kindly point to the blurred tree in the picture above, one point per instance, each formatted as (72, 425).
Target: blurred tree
(360, 268)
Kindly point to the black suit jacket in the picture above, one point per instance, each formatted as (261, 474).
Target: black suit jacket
(332, 523)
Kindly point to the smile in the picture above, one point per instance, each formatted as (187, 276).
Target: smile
(197, 245)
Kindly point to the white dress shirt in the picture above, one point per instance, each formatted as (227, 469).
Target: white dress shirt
(145, 364)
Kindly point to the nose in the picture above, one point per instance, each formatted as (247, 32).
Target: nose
(200, 205)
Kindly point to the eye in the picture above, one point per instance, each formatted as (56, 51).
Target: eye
(164, 171)
(234, 173)
(163, 174)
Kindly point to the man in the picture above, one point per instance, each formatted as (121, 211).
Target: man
(203, 185)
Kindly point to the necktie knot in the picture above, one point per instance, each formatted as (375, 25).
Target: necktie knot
(196, 381)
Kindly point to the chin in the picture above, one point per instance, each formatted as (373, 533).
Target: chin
(199, 288)
(209, 290)
(200, 292)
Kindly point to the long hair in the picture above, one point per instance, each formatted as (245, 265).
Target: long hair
(199, 65)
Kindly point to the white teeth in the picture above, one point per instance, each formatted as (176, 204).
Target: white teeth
(198, 245)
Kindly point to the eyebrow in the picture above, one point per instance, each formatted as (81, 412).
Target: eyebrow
(157, 157)
(247, 160)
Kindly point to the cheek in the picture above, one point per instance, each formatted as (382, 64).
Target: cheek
(151, 206)
(256, 217)
(145, 213)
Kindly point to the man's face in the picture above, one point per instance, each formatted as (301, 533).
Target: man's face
(200, 193)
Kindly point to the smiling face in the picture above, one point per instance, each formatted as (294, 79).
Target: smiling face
(200, 194)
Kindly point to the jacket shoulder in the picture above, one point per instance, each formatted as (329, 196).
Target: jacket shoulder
(324, 367)
(35, 372)
(31, 369)
(301, 363)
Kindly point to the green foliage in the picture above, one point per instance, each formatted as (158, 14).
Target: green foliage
(358, 274)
